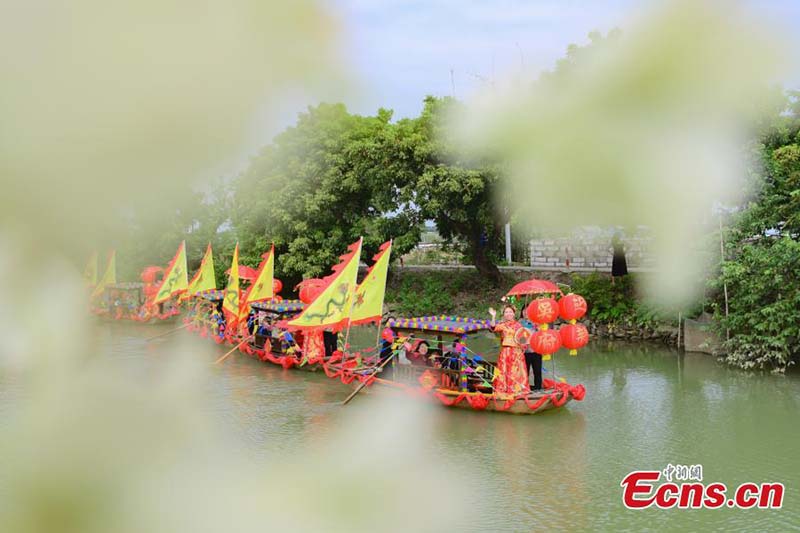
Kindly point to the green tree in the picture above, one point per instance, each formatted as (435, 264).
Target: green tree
(457, 192)
(320, 185)
(153, 235)
(763, 253)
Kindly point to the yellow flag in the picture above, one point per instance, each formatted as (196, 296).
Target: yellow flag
(90, 272)
(261, 289)
(368, 302)
(204, 279)
(331, 309)
(175, 277)
(232, 297)
(109, 276)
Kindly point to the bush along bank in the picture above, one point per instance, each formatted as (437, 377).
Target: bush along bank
(615, 310)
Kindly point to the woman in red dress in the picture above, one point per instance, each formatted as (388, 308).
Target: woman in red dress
(513, 374)
(314, 347)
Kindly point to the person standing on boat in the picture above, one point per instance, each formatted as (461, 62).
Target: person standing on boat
(387, 341)
(533, 360)
(314, 346)
(513, 374)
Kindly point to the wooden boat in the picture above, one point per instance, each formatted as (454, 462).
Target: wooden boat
(200, 316)
(126, 302)
(431, 360)
(275, 346)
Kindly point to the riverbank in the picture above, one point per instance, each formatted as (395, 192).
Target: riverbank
(615, 311)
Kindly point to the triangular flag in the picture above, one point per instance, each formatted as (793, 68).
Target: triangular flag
(368, 302)
(232, 298)
(175, 277)
(90, 272)
(204, 279)
(331, 309)
(261, 289)
(109, 276)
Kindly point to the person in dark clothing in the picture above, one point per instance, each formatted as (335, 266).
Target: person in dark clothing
(251, 322)
(387, 339)
(619, 265)
(330, 340)
(533, 360)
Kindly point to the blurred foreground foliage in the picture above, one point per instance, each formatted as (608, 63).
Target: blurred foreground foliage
(762, 254)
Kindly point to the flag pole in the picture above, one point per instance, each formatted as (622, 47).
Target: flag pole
(352, 304)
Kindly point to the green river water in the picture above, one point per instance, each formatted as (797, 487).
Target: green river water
(646, 406)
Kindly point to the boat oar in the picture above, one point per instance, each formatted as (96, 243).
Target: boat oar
(168, 332)
(221, 359)
(364, 383)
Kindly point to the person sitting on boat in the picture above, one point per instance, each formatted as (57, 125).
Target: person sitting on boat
(512, 379)
(264, 327)
(251, 322)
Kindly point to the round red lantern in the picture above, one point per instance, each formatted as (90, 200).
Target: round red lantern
(277, 286)
(543, 311)
(574, 337)
(545, 342)
(572, 307)
(310, 289)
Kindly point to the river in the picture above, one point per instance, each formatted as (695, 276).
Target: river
(646, 406)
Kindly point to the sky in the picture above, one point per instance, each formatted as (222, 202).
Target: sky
(400, 51)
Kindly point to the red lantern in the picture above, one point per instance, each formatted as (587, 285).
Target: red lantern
(574, 337)
(310, 289)
(545, 342)
(572, 307)
(277, 286)
(543, 310)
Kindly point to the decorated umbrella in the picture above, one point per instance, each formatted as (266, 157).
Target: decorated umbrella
(534, 286)
(245, 272)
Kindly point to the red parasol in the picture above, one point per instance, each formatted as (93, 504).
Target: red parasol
(534, 286)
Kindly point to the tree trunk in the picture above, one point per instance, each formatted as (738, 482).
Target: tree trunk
(485, 266)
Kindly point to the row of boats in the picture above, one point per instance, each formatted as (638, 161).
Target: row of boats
(431, 357)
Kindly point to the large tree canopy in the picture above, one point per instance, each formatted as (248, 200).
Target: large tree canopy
(455, 191)
(319, 186)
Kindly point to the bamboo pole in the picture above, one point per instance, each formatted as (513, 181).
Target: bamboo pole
(364, 383)
(168, 332)
(724, 283)
(221, 359)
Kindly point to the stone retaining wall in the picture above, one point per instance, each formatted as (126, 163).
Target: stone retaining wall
(590, 249)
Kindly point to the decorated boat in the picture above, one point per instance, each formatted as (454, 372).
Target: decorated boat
(248, 317)
(430, 357)
(153, 300)
(271, 343)
(204, 314)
